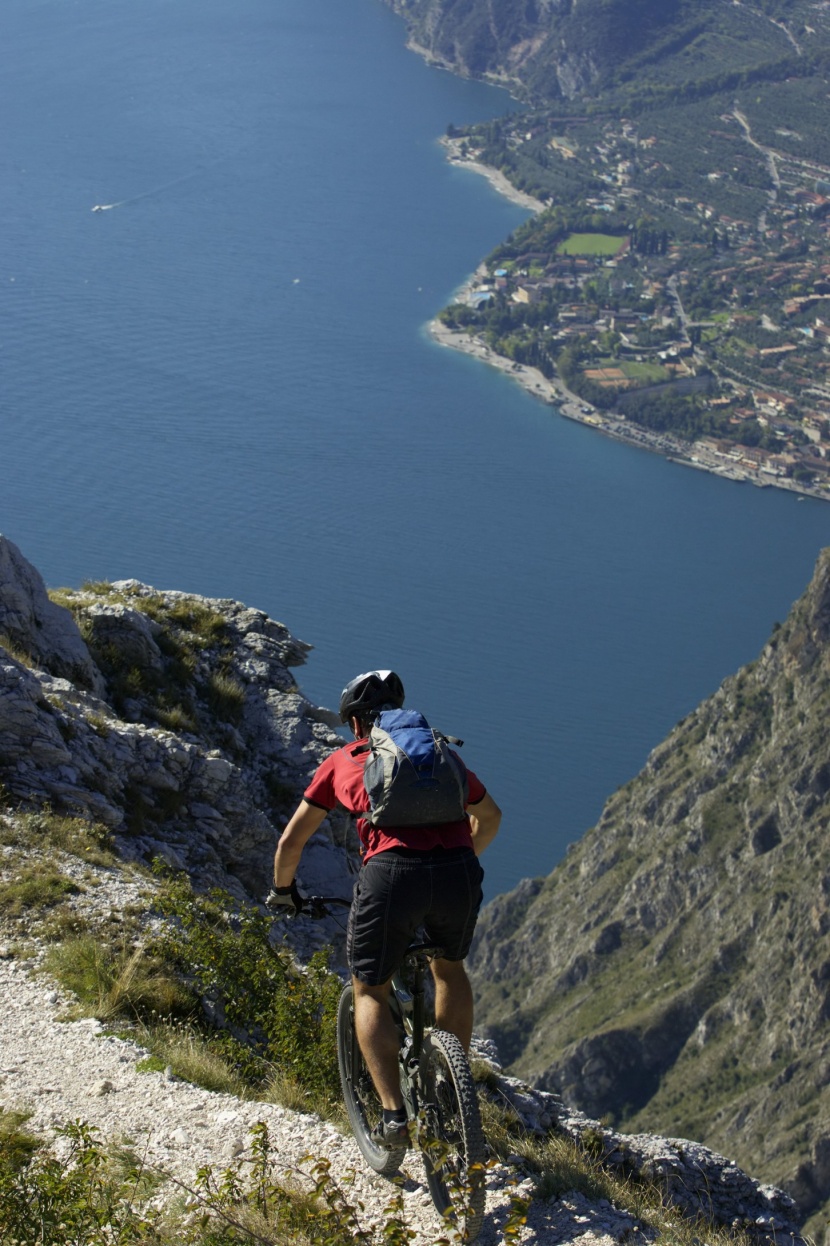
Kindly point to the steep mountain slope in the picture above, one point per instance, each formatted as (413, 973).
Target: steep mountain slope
(675, 967)
(551, 49)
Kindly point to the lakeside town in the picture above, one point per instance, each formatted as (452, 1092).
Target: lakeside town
(696, 325)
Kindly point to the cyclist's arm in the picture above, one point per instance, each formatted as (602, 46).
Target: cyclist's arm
(485, 817)
(298, 832)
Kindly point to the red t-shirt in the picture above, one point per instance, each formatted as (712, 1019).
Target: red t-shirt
(339, 781)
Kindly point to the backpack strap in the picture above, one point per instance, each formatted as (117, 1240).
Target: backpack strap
(439, 735)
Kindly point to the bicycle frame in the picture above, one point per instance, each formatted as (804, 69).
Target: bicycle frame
(410, 1012)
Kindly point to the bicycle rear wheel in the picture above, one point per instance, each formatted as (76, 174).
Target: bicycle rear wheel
(453, 1146)
(359, 1094)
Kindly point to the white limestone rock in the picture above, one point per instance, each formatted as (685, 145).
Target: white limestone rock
(209, 796)
(37, 626)
(132, 633)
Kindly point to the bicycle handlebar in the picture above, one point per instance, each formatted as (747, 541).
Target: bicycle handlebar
(317, 906)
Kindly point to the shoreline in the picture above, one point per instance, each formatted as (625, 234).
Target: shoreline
(494, 176)
(572, 407)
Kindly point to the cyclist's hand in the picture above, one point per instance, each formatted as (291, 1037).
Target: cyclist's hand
(287, 900)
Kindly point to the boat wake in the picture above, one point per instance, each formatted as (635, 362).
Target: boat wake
(156, 190)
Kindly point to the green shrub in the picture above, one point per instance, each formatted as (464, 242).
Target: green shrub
(60, 924)
(208, 625)
(100, 588)
(17, 1146)
(175, 717)
(16, 651)
(225, 697)
(287, 1014)
(80, 1198)
(90, 841)
(99, 1196)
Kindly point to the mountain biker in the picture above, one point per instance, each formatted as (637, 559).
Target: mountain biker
(410, 876)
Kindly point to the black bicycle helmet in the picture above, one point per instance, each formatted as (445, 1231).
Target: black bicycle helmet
(369, 692)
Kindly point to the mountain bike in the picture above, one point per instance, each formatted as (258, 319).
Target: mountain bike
(437, 1087)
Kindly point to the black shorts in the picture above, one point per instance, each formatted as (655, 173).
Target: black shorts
(395, 894)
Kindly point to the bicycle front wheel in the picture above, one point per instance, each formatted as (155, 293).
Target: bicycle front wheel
(452, 1138)
(359, 1094)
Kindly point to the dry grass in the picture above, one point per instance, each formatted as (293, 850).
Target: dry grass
(115, 982)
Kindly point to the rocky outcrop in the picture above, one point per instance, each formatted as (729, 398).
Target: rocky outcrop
(673, 971)
(173, 719)
(40, 631)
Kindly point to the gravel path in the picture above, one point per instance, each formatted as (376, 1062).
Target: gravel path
(62, 1071)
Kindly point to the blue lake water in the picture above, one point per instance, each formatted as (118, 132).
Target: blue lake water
(223, 384)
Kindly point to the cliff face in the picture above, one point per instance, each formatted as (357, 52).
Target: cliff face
(550, 47)
(171, 718)
(675, 968)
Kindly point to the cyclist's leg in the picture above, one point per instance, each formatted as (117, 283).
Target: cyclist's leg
(453, 1000)
(379, 1040)
(456, 898)
(387, 909)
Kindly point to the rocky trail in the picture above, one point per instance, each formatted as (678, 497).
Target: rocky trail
(62, 1071)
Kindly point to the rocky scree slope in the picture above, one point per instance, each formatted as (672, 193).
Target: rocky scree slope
(675, 967)
(174, 721)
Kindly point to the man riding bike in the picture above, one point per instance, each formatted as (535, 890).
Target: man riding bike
(410, 876)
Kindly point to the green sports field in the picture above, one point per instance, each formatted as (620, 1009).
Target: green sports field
(591, 244)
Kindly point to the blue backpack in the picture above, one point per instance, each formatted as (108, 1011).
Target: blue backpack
(412, 777)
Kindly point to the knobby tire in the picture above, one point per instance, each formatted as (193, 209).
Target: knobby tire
(362, 1103)
(453, 1147)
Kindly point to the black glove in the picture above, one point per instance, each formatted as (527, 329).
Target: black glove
(287, 899)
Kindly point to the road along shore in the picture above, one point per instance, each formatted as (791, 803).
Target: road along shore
(555, 393)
